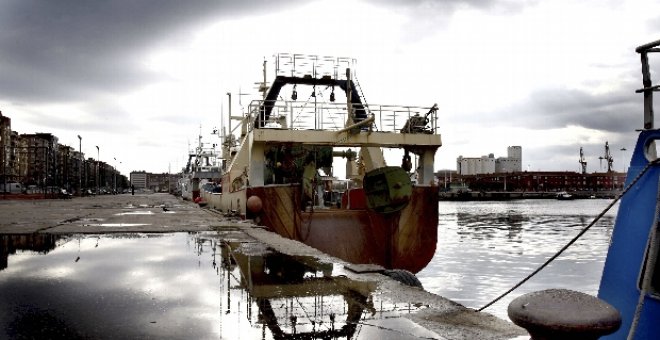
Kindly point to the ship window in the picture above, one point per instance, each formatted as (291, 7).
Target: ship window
(651, 150)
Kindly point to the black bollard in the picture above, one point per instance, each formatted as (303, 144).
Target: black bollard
(564, 314)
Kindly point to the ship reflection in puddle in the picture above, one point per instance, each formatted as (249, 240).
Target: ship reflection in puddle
(300, 297)
(179, 286)
(297, 297)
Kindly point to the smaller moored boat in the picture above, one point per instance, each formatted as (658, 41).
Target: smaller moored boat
(564, 196)
(202, 168)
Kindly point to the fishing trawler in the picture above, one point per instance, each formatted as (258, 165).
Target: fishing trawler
(286, 155)
(202, 167)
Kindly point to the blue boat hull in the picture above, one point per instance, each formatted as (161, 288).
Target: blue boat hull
(624, 266)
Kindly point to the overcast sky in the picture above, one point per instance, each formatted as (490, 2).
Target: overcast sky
(139, 78)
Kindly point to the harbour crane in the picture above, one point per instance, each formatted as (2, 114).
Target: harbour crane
(608, 157)
(583, 162)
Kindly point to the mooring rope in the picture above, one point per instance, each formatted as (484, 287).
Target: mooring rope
(584, 230)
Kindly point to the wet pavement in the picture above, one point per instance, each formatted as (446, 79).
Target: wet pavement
(104, 214)
(155, 267)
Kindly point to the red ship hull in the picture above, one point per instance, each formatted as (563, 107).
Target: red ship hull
(402, 240)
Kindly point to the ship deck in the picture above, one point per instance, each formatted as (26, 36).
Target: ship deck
(346, 139)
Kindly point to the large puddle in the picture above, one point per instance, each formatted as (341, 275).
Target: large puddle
(184, 286)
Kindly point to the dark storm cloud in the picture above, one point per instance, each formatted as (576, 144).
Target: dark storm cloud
(550, 108)
(613, 112)
(108, 117)
(71, 49)
(619, 110)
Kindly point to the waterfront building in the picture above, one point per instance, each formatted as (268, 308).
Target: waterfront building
(511, 163)
(139, 179)
(41, 165)
(163, 182)
(67, 168)
(78, 160)
(5, 138)
(5, 149)
(545, 181)
(474, 165)
(491, 165)
(38, 160)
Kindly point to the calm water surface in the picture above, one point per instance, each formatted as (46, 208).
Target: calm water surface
(484, 248)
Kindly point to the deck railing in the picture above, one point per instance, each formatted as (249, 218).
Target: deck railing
(297, 115)
(301, 65)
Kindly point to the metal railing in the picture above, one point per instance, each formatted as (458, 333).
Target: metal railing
(296, 115)
(301, 65)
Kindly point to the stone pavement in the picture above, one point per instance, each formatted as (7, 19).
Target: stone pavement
(106, 214)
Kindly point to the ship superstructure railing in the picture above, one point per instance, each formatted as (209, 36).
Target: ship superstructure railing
(315, 66)
(299, 115)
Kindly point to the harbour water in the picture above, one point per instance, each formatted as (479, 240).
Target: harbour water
(484, 248)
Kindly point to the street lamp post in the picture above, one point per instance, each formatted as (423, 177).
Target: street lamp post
(623, 159)
(4, 168)
(81, 165)
(98, 159)
(114, 180)
(66, 170)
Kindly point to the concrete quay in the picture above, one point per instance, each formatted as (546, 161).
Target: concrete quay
(428, 316)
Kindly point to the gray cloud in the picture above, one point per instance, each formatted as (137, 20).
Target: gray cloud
(619, 111)
(108, 117)
(613, 112)
(69, 50)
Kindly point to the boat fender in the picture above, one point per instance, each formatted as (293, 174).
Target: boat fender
(404, 276)
(254, 204)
